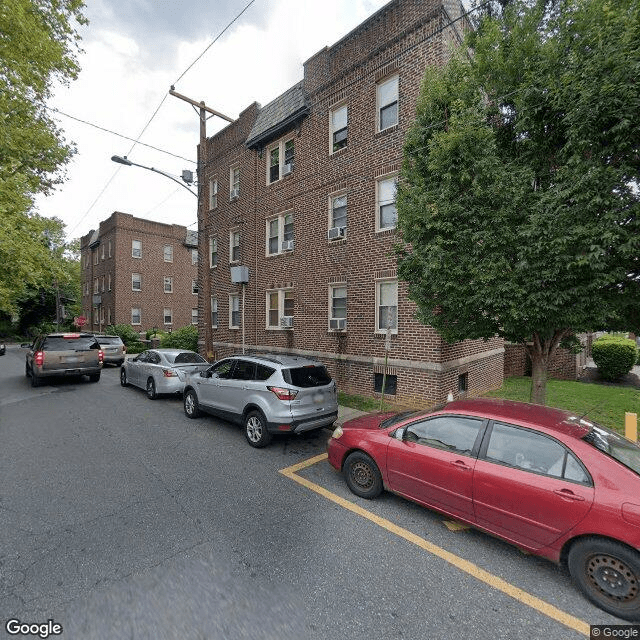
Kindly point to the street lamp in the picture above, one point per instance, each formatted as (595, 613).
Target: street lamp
(187, 176)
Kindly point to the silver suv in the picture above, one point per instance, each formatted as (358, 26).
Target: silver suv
(266, 394)
(113, 348)
(63, 354)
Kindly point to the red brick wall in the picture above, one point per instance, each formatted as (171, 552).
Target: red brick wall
(564, 365)
(402, 38)
(121, 229)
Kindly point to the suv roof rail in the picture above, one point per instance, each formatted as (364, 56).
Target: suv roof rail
(259, 356)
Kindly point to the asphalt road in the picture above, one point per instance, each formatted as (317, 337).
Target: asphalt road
(120, 518)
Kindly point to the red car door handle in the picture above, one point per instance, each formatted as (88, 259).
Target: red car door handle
(460, 464)
(567, 493)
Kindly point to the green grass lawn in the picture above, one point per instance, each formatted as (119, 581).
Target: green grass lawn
(605, 404)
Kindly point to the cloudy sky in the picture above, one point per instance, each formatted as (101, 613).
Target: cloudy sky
(134, 50)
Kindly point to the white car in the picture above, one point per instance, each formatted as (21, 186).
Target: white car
(161, 371)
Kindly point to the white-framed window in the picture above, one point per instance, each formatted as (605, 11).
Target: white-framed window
(338, 216)
(387, 103)
(102, 284)
(387, 305)
(194, 287)
(168, 284)
(167, 314)
(96, 286)
(136, 316)
(109, 315)
(280, 304)
(136, 282)
(95, 257)
(280, 234)
(234, 246)
(108, 282)
(280, 159)
(214, 312)
(213, 194)
(234, 311)
(194, 316)
(234, 183)
(194, 256)
(338, 127)
(136, 248)
(213, 252)
(102, 252)
(337, 307)
(109, 253)
(167, 252)
(386, 211)
(102, 315)
(95, 315)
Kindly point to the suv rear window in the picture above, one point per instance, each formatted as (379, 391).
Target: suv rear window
(61, 343)
(109, 340)
(311, 376)
(188, 357)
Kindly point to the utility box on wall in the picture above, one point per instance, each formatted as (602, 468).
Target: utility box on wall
(239, 275)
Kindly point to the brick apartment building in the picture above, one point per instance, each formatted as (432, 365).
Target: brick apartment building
(139, 272)
(301, 194)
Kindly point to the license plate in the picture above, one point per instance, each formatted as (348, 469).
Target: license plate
(318, 398)
(71, 359)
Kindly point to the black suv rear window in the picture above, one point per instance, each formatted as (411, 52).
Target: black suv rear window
(60, 343)
(311, 376)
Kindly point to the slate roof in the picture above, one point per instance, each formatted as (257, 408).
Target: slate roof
(278, 115)
(95, 238)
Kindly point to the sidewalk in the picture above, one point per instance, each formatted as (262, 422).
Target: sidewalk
(346, 413)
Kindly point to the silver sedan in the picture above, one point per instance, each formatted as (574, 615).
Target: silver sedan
(160, 371)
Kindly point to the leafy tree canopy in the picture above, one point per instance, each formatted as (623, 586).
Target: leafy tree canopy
(519, 198)
(38, 48)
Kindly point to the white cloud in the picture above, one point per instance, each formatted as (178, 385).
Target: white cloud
(123, 81)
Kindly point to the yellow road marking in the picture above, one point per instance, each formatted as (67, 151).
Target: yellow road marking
(460, 563)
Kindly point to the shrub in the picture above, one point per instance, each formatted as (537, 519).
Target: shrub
(129, 335)
(183, 338)
(614, 356)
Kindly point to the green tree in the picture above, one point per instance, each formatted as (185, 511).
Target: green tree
(38, 48)
(518, 201)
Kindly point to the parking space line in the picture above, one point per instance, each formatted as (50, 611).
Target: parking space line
(460, 563)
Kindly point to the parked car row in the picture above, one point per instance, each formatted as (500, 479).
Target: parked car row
(540, 478)
(551, 483)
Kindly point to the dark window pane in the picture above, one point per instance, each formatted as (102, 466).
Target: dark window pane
(389, 115)
(391, 384)
(263, 373)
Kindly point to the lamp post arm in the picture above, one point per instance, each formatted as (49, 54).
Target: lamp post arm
(166, 175)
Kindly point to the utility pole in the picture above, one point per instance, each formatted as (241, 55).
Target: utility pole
(204, 273)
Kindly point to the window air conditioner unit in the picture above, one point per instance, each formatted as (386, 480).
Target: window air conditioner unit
(287, 245)
(339, 324)
(286, 322)
(337, 232)
(235, 193)
(287, 168)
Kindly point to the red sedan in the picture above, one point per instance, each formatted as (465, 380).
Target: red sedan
(549, 482)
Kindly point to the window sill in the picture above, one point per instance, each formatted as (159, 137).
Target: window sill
(337, 241)
(387, 230)
(333, 154)
(386, 131)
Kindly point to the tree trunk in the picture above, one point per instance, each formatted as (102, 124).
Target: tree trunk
(541, 350)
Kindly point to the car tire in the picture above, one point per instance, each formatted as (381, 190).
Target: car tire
(255, 430)
(26, 370)
(362, 475)
(151, 389)
(608, 574)
(35, 381)
(190, 404)
(123, 378)
(94, 377)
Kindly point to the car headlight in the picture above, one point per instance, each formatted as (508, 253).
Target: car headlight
(337, 432)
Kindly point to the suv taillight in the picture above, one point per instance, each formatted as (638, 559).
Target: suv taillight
(38, 358)
(124, 350)
(282, 393)
(100, 355)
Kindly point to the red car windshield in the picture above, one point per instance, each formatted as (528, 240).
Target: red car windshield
(614, 445)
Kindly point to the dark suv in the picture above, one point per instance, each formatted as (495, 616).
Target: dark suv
(266, 394)
(63, 354)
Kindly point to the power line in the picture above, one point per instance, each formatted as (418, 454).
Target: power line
(120, 135)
